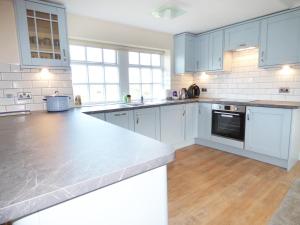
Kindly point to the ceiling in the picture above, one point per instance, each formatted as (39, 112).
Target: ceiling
(201, 15)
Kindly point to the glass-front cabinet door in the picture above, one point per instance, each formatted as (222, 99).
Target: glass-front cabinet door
(42, 34)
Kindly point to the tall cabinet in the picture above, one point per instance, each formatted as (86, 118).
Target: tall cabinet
(42, 33)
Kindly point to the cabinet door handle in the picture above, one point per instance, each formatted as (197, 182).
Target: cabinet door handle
(197, 65)
(262, 56)
(137, 120)
(120, 114)
(183, 114)
(248, 114)
(243, 45)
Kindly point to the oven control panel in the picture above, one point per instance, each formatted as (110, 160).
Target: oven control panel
(229, 108)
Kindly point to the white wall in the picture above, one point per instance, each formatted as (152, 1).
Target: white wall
(9, 52)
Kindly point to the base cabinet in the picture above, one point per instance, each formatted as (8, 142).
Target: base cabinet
(123, 119)
(172, 124)
(191, 121)
(268, 131)
(204, 121)
(147, 122)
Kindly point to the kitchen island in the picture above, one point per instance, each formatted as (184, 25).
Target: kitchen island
(70, 168)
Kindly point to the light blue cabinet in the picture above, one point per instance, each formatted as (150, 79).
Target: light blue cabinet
(268, 131)
(100, 116)
(242, 36)
(216, 50)
(172, 124)
(184, 49)
(147, 122)
(202, 53)
(122, 119)
(42, 34)
(204, 121)
(191, 121)
(280, 39)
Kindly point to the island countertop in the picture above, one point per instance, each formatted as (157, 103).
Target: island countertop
(49, 158)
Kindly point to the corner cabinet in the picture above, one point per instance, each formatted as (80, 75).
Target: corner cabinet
(191, 121)
(268, 131)
(42, 33)
(204, 120)
(184, 57)
(216, 50)
(280, 40)
(202, 53)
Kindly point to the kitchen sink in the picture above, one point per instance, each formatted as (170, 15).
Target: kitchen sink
(134, 104)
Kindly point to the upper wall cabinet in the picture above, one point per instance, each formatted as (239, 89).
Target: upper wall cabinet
(184, 45)
(202, 53)
(242, 36)
(42, 34)
(280, 40)
(216, 50)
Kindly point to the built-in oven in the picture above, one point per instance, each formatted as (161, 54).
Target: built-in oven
(228, 121)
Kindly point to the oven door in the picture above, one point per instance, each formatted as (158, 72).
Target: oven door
(228, 124)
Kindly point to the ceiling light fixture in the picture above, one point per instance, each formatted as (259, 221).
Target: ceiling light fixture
(168, 12)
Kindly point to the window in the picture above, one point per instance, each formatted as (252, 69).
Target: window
(95, 74)
(102, 75)
(145, 75)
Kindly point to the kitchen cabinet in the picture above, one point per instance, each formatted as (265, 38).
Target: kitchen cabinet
(172, 124)
(280, 40)
(242, 36)
(42, 32)
(202, 53)
(216, 50)
(147, 122)
(204, 121)
(122, 118)
(268, 131)
(100, 116)
(191, 121)
(184, 57)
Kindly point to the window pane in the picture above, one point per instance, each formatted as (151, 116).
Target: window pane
(111, 74)
(83, 91)
(134, 75)
(97, 93)
(147, 91)
(79, 74)
(94, 54)
(134, 58)
(135, 91)
(146, 75)
(109, 56)
(96, 74)
(155, 60)
(157, 76)
(112, 93)
(77, 52)
(157, 91)
(145, 59)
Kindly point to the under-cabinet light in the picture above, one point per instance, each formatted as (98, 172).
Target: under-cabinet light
(244, 49)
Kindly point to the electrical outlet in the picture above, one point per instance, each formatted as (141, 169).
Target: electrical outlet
(284, 90)
(204, 89)
(24, 95)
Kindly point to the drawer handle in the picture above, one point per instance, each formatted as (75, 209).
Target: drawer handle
(120, 114)
(262, 56)
(243, 45)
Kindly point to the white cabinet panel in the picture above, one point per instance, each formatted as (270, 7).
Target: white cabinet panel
(122, 118)
(172, 124)
(147, 122)
(191, 121)
(204, 121)
(268, 131)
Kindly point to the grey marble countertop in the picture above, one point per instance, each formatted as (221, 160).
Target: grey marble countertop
(49, 158)
(256, 103)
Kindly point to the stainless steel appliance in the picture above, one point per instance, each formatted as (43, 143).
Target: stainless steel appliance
(183, 93)
(193, 91)
(229, 121)
(57, 103)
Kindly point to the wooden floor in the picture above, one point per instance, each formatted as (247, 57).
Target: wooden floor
(211, 187)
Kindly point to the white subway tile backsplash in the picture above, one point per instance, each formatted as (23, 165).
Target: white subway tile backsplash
(11, 76)
(22, 84)
(247, 81)
(13, 79)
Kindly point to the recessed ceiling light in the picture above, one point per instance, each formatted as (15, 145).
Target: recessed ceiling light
(168, 12)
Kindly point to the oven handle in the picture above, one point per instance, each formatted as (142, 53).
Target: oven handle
(227, 114)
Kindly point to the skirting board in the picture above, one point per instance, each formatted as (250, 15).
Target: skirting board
(271, 160)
